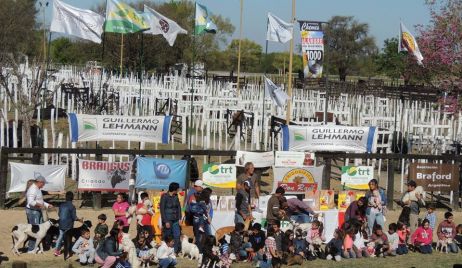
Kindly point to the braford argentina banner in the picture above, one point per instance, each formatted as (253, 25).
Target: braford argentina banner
(312, 48)
(158, 173)
(21, 173)
(435, 177)
(104, 176)
(329, 138)
(84, 127)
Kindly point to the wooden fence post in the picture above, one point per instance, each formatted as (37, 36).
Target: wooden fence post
(3, 177)
(97, 195)
(391, 183)
(326, 174)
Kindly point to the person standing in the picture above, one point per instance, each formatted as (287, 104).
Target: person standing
(34, 206)
(250, 175)
(274, 210)
(190, 198)
(120, 209)
(374, 214)
(170, 213)
(67, 216)
(243, 208)
(411, 206)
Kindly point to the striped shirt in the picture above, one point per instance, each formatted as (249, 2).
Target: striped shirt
(34, 197)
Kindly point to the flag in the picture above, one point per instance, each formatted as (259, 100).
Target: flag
(279, 30)
(81, 23)
(408, 43)
(159, 24)
(276, 93)
(204, 21)
(122, 18)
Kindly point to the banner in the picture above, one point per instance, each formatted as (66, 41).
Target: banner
(297, 180)
(312, 48)
(157, 173)
(435, 177)
(122, 18)
(278, 30)
(333, 138)
(278, 96)
(85, 127)
(259, 160)
(104, 176)
(294, 159)
(219, 175)
(159, 24)
(357, 177)
(21, 173)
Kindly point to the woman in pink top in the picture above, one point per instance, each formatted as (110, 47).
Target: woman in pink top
(120, 209)
(422, 238)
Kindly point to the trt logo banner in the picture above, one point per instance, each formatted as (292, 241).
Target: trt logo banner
(219, 175)
(357, 177)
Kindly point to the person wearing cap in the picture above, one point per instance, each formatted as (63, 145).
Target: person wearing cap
(190, 197)
(412, 206)
(243, 208)
(250, 175)
(274, 210)
(34, 205)
(170, 212)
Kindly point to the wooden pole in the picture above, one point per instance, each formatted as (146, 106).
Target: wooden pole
(239, 49)
(121, 54)
(291, 58)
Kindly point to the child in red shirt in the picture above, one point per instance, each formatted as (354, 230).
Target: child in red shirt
(422, 238)
(403, 234)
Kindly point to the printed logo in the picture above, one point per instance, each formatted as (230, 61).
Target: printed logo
(299, 136)
(162, 171)
(89, 124)
(214, 169)
(164, 25)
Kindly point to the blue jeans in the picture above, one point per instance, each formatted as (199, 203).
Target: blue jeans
(266, 264)
(427, 249)
(402, 249)
(175, 232)
(238, 218)
(33, 217)
(167, 262)
(453, 247)
(374, 218)
(300, 218)
(198, 222)
(242, 251)
(59, 242)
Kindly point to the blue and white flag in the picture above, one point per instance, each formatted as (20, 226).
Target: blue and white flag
(86, 127)
(158, 173)
(278, 96)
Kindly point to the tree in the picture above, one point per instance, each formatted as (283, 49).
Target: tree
(250, 55)
(441, 42)
(347, 41)
(390, 62)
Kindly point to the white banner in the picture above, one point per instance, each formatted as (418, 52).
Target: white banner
(259, 160)
(84, 127)
(297, 180)
(104, 176)
(219, 175)
(162, 25)
(357, 177)
(21, 173)
(294, 159)
(333, 138)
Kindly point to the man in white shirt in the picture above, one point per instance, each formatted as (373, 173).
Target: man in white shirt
(34, 206)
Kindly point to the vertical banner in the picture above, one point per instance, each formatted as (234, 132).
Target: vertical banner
(312, 48)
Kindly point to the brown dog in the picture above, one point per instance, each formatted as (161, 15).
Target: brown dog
(293, 260)
(222, 231)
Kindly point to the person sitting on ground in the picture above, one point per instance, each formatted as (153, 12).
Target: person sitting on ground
(357, 210)
(393, 239)
(166, 253)
(288, 242)
(422, 238)
(430, 215)
(298, 211)
(447, 232)
(380, 240)
(458, 238)
(108, 252)
(238, 247)
(257, 240)
(271, 256)
(360, 242)
(348, 247)
(403, 234)
(334, 247)
(143, 249)
(84, 248)
(101, 230)
(67, 216)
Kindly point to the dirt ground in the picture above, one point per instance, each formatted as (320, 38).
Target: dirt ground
(8, 218)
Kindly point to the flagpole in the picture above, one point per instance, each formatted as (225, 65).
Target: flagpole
(141, 72)
(121, 53)
(239, 49)
(192, 76)
(102, 53)
(289, 87)
(264, 92)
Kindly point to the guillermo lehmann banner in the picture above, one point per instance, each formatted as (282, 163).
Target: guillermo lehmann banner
(84, 127)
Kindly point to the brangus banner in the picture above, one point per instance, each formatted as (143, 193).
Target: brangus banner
(435, 177)
(104, 176)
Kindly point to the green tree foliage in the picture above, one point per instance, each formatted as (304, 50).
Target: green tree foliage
(251, 53)
(390, 62)
(347, 44)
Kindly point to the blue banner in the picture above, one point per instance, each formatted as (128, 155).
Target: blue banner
(158, 173)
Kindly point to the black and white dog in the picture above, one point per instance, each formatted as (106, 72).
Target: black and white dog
(71, 234)
(21, 232)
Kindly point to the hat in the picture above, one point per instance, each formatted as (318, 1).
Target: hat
(411, 183)
(198, 183)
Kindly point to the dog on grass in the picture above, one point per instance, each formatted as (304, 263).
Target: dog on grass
(21, 232)
(443, 244)
(72, 235)
(189, 249)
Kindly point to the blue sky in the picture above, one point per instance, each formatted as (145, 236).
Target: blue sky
(383, 16)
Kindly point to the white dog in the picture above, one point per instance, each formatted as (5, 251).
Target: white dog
(129, 247)
(189, 249)
(443, 244)
(21, 232)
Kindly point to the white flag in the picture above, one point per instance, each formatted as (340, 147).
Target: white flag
(276, 93)
(159, 24)
(279, 30)
(82, 23)
(408, 43)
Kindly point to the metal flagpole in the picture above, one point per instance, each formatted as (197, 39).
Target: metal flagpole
(289, 87)
(239, 50)
(141, 72)
(192, 83)
(102, 55)
(121, 53)
(264, 92)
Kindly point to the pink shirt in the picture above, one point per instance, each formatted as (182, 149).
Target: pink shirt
(347, 242)
(422, 236)
(121, 207)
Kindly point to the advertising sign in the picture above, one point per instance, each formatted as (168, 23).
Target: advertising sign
(357, 177)
(259, 160)
(104, 176)
(297, 180)
(294, 159)
(158, 173)
(312, 48)
(21, 173)
(435, 177)
(219, 175)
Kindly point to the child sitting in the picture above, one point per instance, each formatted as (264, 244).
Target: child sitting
(430, 215)
(288, 242)
(257, 240)
(348, 251)
(101, 230)
(380, 241)
(359, 243)
(84, 247)
(422, 238)
(144, 250)
(271, 257)
(403, 235)
(393, 239)
(166, 253)
(315, 238)
(299, 243)
(458, 238)
(334, 247)
(224, 251)
(447, 231)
